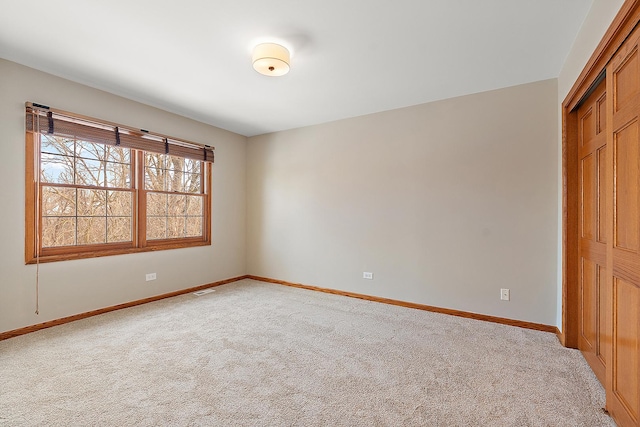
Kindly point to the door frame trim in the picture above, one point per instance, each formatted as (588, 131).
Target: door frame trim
(623, 24)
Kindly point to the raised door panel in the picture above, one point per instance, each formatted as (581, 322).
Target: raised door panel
(601, 117)
(602, 198)
(588, 283)
(625, 346)
(625, 80)
(625, 187)
(604, 290)
(587, 127)
(589, 196)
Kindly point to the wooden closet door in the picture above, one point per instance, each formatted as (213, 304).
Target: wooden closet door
(623, 254)
(592, 250)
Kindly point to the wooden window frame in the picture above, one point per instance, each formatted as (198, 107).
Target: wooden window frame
(34, 253)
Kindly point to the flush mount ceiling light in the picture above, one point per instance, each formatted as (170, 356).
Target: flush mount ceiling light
(271, 59)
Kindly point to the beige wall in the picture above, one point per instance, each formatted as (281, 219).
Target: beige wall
(445, 203)
(596, 23)
(72, 287)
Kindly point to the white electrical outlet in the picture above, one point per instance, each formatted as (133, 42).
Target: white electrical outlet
(367, 275)
(150, 276)
(505, 294)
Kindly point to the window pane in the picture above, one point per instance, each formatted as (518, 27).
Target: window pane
(117, 154)
(176, 227)
(56, 169)
(58, 231)
(91, 203)
(92, 230)
(89, 172)
(194, 226)
(194, 205)
(156, 204)
(192, 166)
(175, 163)
(118, 229)
(176, 205)
(119, 203)
(175, 181)
(90, 150)
(156, 228)
(118, 175)
(154, 160)
(56, 145)
(58, 201)
(192, 183)
(154, 179)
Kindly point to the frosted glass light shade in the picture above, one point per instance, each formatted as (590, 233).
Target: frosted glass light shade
(271, 59)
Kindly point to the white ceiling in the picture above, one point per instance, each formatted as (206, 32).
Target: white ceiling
(349, 57)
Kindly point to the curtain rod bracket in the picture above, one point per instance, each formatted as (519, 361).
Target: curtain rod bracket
(44, 107)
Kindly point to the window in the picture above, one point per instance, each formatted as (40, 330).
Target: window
(174, 197)
(96, 189)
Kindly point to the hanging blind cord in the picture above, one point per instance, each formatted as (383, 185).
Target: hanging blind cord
(36, 170)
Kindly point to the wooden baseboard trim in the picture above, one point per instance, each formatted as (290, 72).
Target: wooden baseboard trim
(458, 313)
(561, 337)
(483, 317)
(56, 322)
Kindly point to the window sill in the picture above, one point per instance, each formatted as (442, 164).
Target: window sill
(157, 246)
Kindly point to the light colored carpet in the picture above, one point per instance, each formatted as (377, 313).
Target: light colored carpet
(258, 354)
